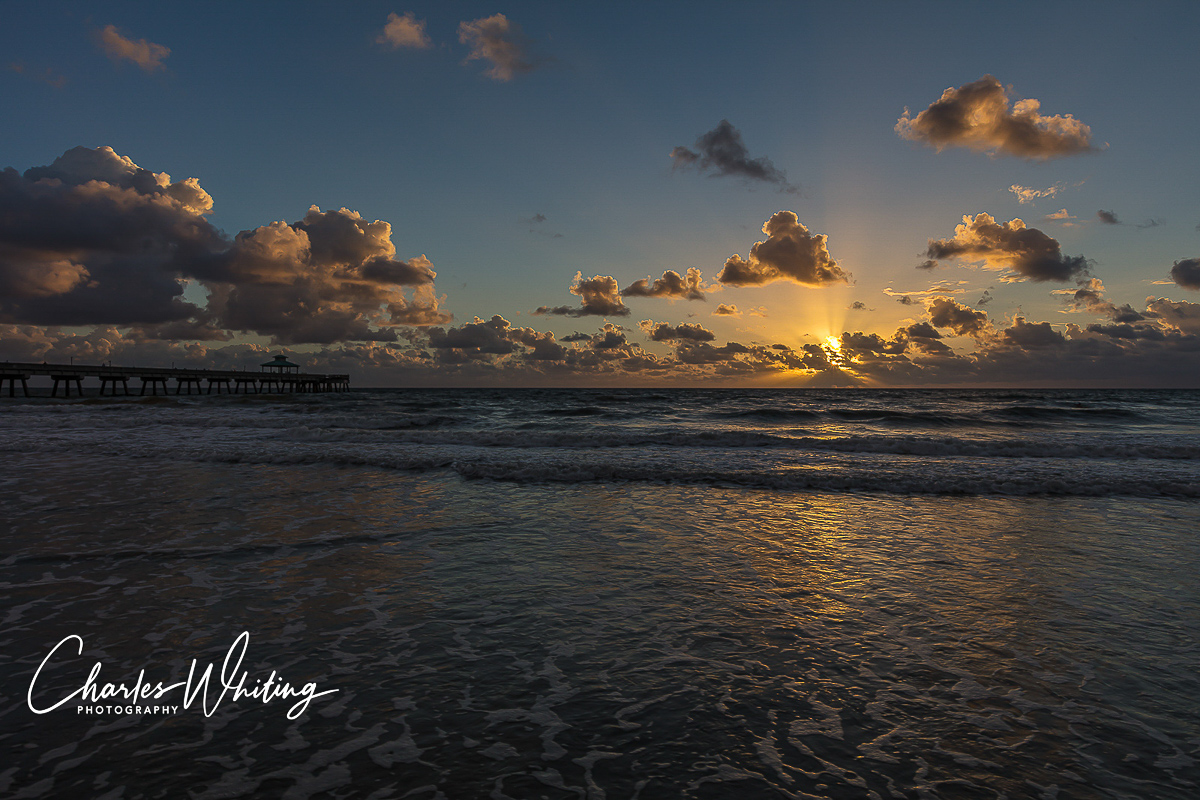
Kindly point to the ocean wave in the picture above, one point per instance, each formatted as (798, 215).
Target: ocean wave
(990, 480)
(739, 439)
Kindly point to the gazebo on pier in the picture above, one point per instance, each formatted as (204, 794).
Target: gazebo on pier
(281, 372)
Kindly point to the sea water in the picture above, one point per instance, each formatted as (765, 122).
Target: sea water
(604, 594)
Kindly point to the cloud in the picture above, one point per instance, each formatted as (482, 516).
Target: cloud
(789, 253)
(727, 310)
(905, 300)
(671, 284)
(329, 277)
(663, 332)
(94, 239)
(721, 151)
(978, 116)
(1027, 194)
(47, 76)
(945, 312)
(1186, 273)
(1031, 335)
(1062, 217)
(858, 305)
(534, 220)
(1090, 297)
(984, 298)
(1180, 315)
(147, 55)
(1027, 253)
(406, 31)
(498, 41)
(600, 296)
(1108, 217)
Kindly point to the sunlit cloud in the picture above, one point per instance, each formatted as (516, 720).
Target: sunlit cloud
(789, 253)
(1026, 194)
(978, 116)
(599, 296)
(1024, 253)
(147, 55)
(689, 286)
(404, 31)
(499, 42)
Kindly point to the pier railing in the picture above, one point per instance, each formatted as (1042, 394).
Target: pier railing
(227, 380)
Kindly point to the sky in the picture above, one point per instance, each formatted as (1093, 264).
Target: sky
(569, 194)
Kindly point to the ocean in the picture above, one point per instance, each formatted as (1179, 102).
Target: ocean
(602, 594)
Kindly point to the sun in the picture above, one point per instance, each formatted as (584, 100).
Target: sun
(833, 343)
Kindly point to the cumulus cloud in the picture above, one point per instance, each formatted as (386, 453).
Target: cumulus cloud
(859, 305)
(329, 277)
(1031, 335)
(978, 115)
(1090, 297)
(727, 310)
(94, 239)
(663, 332)
(1108, 217)
(404, 31)
(789, 253)
(946, 312)
(1186, 272)
(147, 55)
(1026, 253)
(671, 284)
(599, 296)
(721, 151)
(1179, 314)
(496, 40)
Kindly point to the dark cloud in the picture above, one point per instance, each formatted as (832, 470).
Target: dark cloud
(329, 277)
(1108, 217)
(945, 312)
(1150, 223)
(671, 284)
(534, 220)
(663, 332)
(928, 263)
(599, 297)
(1027, 253)
(721, 151)
(147, 55)
(978, 116)
(496, 40)
(1090, 297)
(1031, 335)
(789, 253)
(94, 239)
(905, 300)
(577, 337)
(1186, 273)
(859, 305)
(1178, 314)
(984, 298)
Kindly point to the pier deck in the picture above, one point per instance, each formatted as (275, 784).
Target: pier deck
(224, 381)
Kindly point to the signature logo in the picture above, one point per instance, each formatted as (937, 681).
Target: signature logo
(235, 684)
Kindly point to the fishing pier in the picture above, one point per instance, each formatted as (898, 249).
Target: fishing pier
(274, 377)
